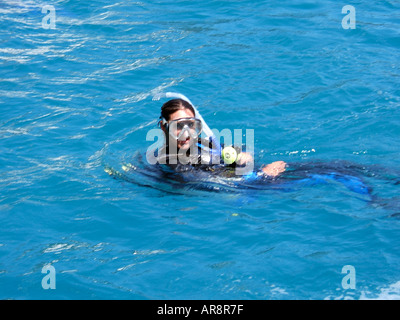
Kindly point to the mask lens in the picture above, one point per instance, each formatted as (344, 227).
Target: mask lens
(192, 126)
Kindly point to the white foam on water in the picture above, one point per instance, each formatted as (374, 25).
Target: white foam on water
(392, 292)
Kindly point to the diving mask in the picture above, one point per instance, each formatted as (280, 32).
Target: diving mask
(183, 128)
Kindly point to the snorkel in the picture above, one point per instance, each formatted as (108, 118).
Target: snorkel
(206, 129)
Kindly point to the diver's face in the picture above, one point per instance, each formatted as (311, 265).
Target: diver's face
(185, 141)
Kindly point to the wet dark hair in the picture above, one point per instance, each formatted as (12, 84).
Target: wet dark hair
(174, 105)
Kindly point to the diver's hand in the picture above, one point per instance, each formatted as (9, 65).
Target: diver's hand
(244, 158)
(274, 168)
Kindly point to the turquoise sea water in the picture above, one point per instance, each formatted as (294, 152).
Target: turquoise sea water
(78, 98)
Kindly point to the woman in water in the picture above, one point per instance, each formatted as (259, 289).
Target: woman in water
(183, 142)
(182, 125)
(190, 158)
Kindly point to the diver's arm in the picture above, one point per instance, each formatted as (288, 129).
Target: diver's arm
(244, 158)
(275, 168)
